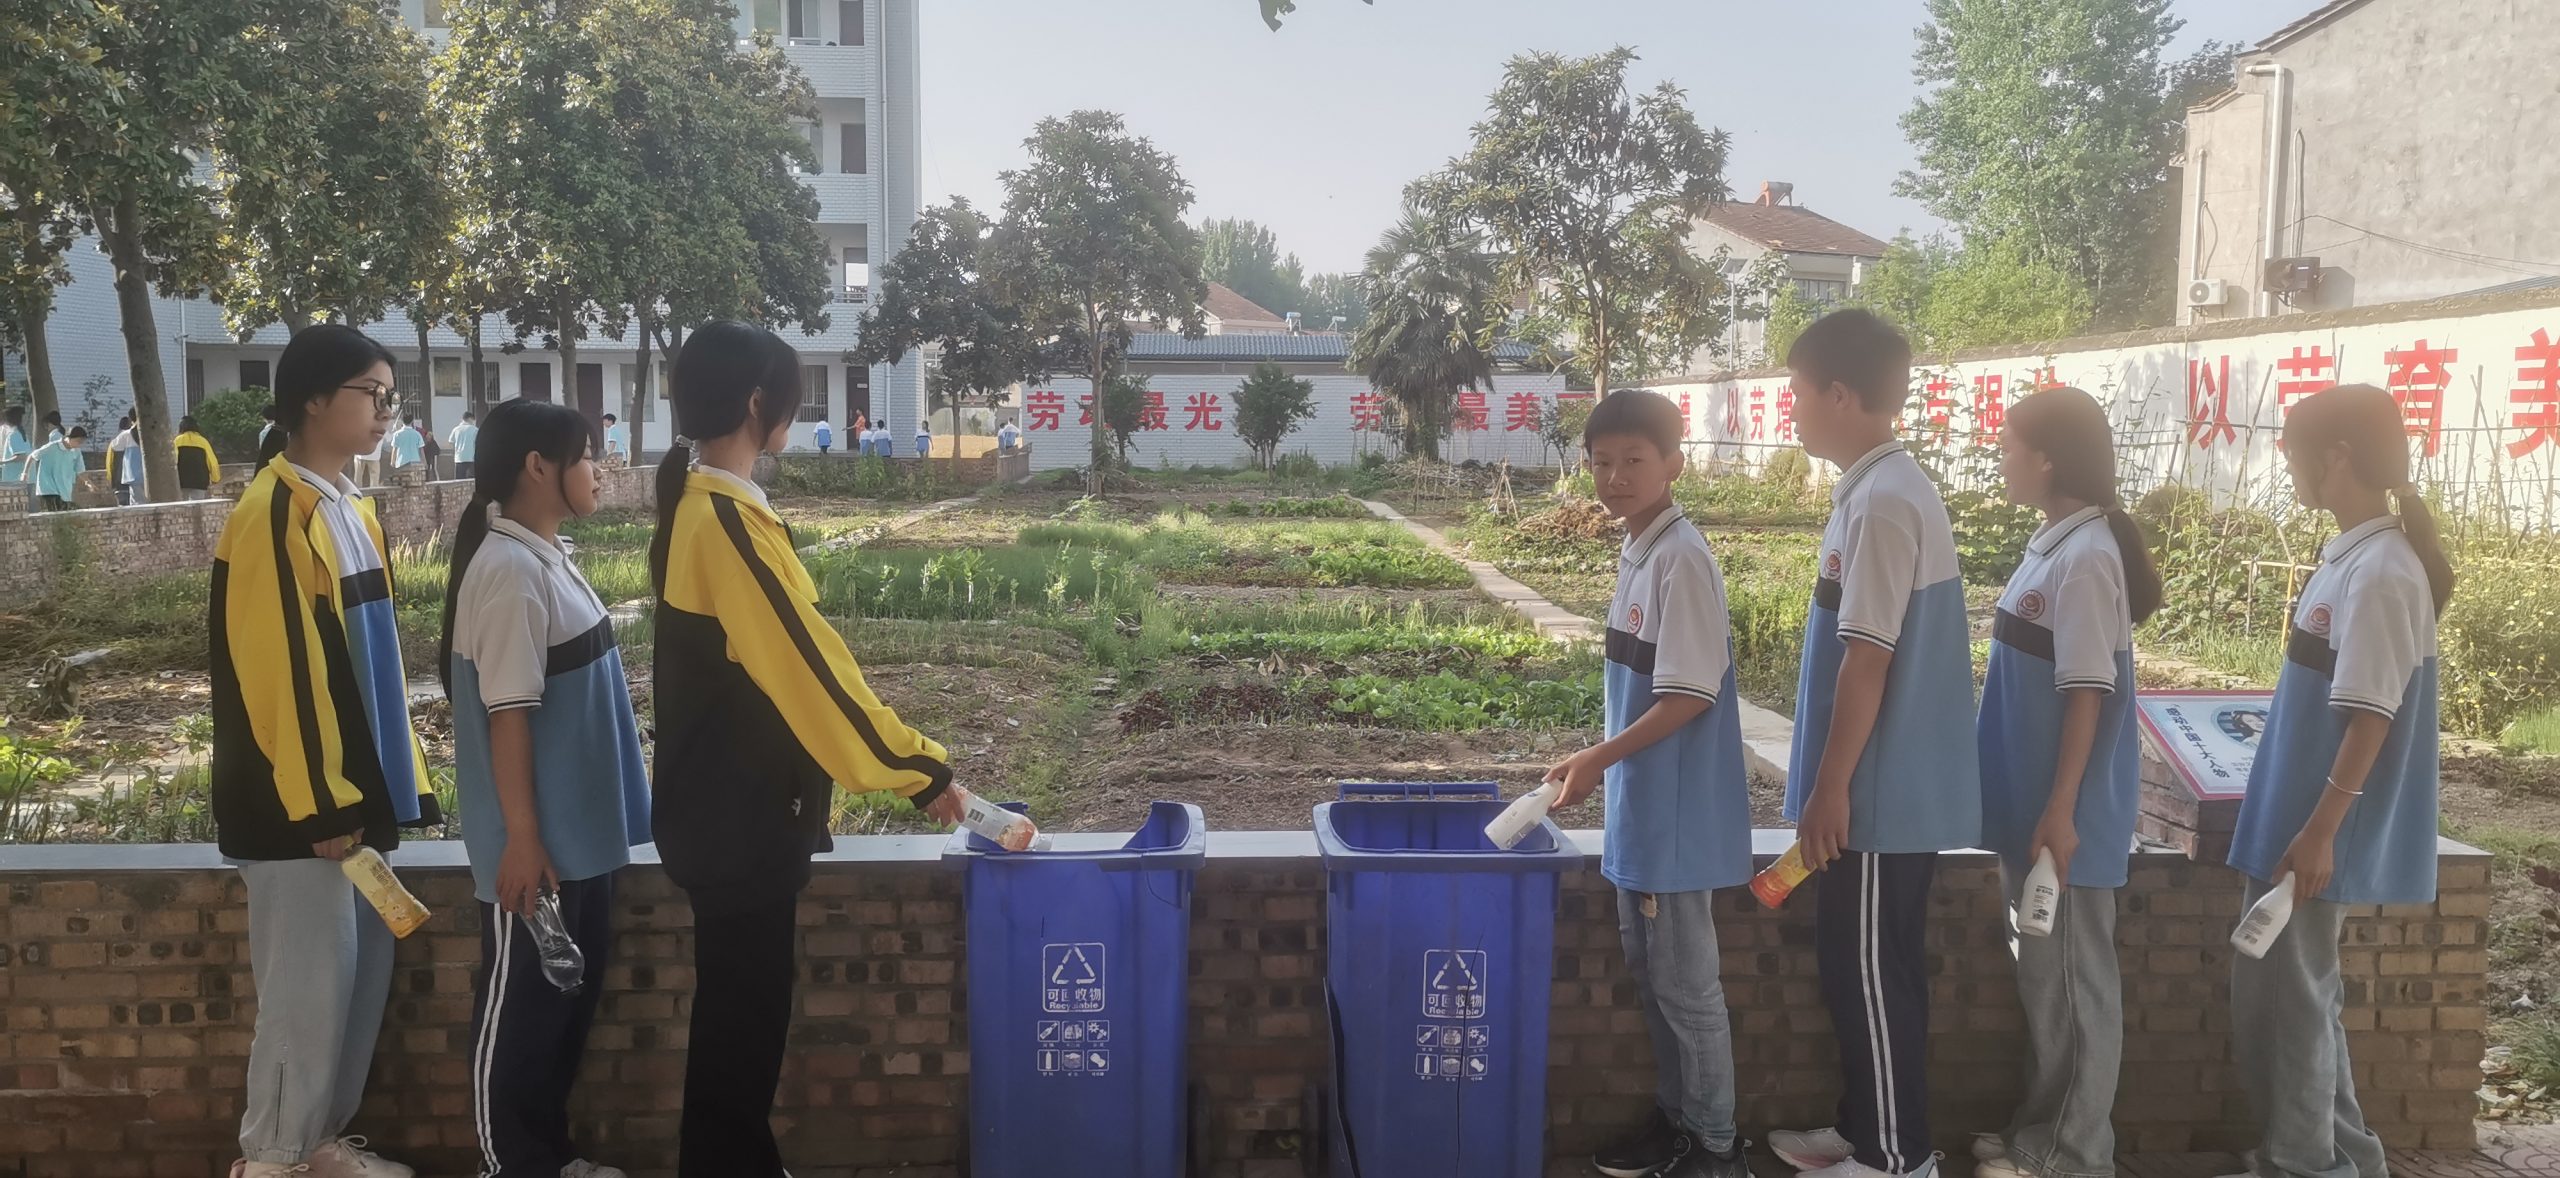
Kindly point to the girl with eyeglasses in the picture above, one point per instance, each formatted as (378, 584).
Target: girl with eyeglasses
(313, 753)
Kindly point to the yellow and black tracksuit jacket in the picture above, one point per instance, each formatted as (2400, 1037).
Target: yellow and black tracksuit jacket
(311, 733)
(197, 467)
(760, 708)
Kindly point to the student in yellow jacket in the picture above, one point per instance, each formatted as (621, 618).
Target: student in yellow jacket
(198, 469)
(313, 753)
(761, 714)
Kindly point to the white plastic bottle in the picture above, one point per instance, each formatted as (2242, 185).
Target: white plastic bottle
(2266, 920)
(2041, 899)
(1005, 828)
(1517, 819)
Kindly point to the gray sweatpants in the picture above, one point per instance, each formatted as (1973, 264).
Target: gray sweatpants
(2292, 1050)
(2074, 1000)
(321, 958)
(1680, 983)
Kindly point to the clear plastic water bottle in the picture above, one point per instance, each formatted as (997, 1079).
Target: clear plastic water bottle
(562, 961)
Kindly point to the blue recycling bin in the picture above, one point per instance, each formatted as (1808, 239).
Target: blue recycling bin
(1439, 952)
(1079, 986)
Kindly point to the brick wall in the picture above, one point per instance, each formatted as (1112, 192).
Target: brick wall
(161, 537)
(130, 1006)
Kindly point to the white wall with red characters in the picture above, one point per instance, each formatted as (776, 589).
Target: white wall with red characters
(2480, 392)
(1192, 421)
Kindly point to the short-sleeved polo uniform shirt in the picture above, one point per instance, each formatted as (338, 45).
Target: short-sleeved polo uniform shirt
(1679, 810)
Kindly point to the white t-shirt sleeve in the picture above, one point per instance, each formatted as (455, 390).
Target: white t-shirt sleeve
(2379, 634)
(1691, 649)
(502, 627)
(2088, 608)
(1881, 553)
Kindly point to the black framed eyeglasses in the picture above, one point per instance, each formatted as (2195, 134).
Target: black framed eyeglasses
(384, 396)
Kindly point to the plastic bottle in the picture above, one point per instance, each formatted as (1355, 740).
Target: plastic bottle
(1774, 883)
(373, 879)
(1517, 819)
(2266, 920)
(2041, 899)
(1005, 828)
(562, 961)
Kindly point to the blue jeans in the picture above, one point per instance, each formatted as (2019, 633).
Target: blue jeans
(1679, 981)
(2294, 1066)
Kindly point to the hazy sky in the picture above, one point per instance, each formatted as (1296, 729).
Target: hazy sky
(1314, 130)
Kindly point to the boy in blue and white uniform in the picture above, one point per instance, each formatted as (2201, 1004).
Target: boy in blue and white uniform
(2342, 793)
(1679, 802)
(1882, 777)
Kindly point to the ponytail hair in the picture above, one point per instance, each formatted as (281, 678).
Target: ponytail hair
(2367, 421)
(2069, 428)
(320, 358)
(711, 386)
(515, 430)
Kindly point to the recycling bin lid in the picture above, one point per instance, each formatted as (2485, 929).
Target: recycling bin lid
(1433, 836)
(1175, 836)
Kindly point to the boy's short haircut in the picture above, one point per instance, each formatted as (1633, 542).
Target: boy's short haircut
(78, 431)
(1858, 349)
(1639, 413)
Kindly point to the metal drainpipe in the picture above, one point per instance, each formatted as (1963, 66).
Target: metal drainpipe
(2279, 135)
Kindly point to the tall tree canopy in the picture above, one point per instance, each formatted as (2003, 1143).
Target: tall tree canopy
(1093, 237)
(1432, 314)
(1245, 257)
(2050, 124)
(1587, 190)
(934, 292)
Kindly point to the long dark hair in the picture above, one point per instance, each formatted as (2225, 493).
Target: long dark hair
(319, 359)
(515, 429)
(716, 375)
(2367, 421)
(2069, 428)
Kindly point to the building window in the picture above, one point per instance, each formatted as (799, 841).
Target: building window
(857, 393)
(769, 16)
(1822, 291)
(856, 159)
(533, 380)
(448, 377)
(408, 385)
(657, 389)
(195, 383)
(815, 133)
(857, 263)
(849, 22)
(813, 392)
(253, 374)
(488, 381)
(800, 20)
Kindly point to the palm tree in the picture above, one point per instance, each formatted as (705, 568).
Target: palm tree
(1430, 287)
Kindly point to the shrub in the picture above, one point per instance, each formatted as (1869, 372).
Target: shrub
(861, 478)
(229, 419)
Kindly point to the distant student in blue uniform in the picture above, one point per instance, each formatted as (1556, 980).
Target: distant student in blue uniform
(55, 470)
(547, 758)
(13, 444)
(1679, 799)
(407, 443)
(825, 436)
(2342, 795)
(617, 443)
(2061, 773)
(1881, 779)
(924, 440)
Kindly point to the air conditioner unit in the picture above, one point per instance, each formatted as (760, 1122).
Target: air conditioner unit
(2208, 292)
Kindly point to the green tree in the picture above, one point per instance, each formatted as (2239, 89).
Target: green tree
(1430, 287)
(1269, 404)
(1092, 237)
(934, 292)
(1898, 285)
(329, 195)
(1333, 296)
(1788, 315)
(1121, 410)
(2051, 124)
(1247, 259)
(1588, 190)
(1996, 293)
(1273, 10)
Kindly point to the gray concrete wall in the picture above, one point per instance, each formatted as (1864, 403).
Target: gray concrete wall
(2422, 133)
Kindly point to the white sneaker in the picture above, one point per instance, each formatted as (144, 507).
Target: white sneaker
(244, 1168)
(1989, 1147)
(582, 1168)
(347, 1157)
(2000, 1167)
(1810, 1149)
(1850, 1168)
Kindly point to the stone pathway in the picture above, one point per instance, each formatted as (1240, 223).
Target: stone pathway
(1768, 739)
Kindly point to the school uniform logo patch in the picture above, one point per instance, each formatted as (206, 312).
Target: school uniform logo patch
(2318, 621)
(1635, 619)
(2031, 604)
(1831, 564)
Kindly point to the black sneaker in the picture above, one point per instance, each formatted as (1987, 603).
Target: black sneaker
(1643, 1153)
(1697, 1161)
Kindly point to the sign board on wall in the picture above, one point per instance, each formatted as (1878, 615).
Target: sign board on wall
(2208, 738)
(2479, 394)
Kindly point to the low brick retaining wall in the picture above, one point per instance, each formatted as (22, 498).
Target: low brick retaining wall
(124, 973)
(154, 538)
